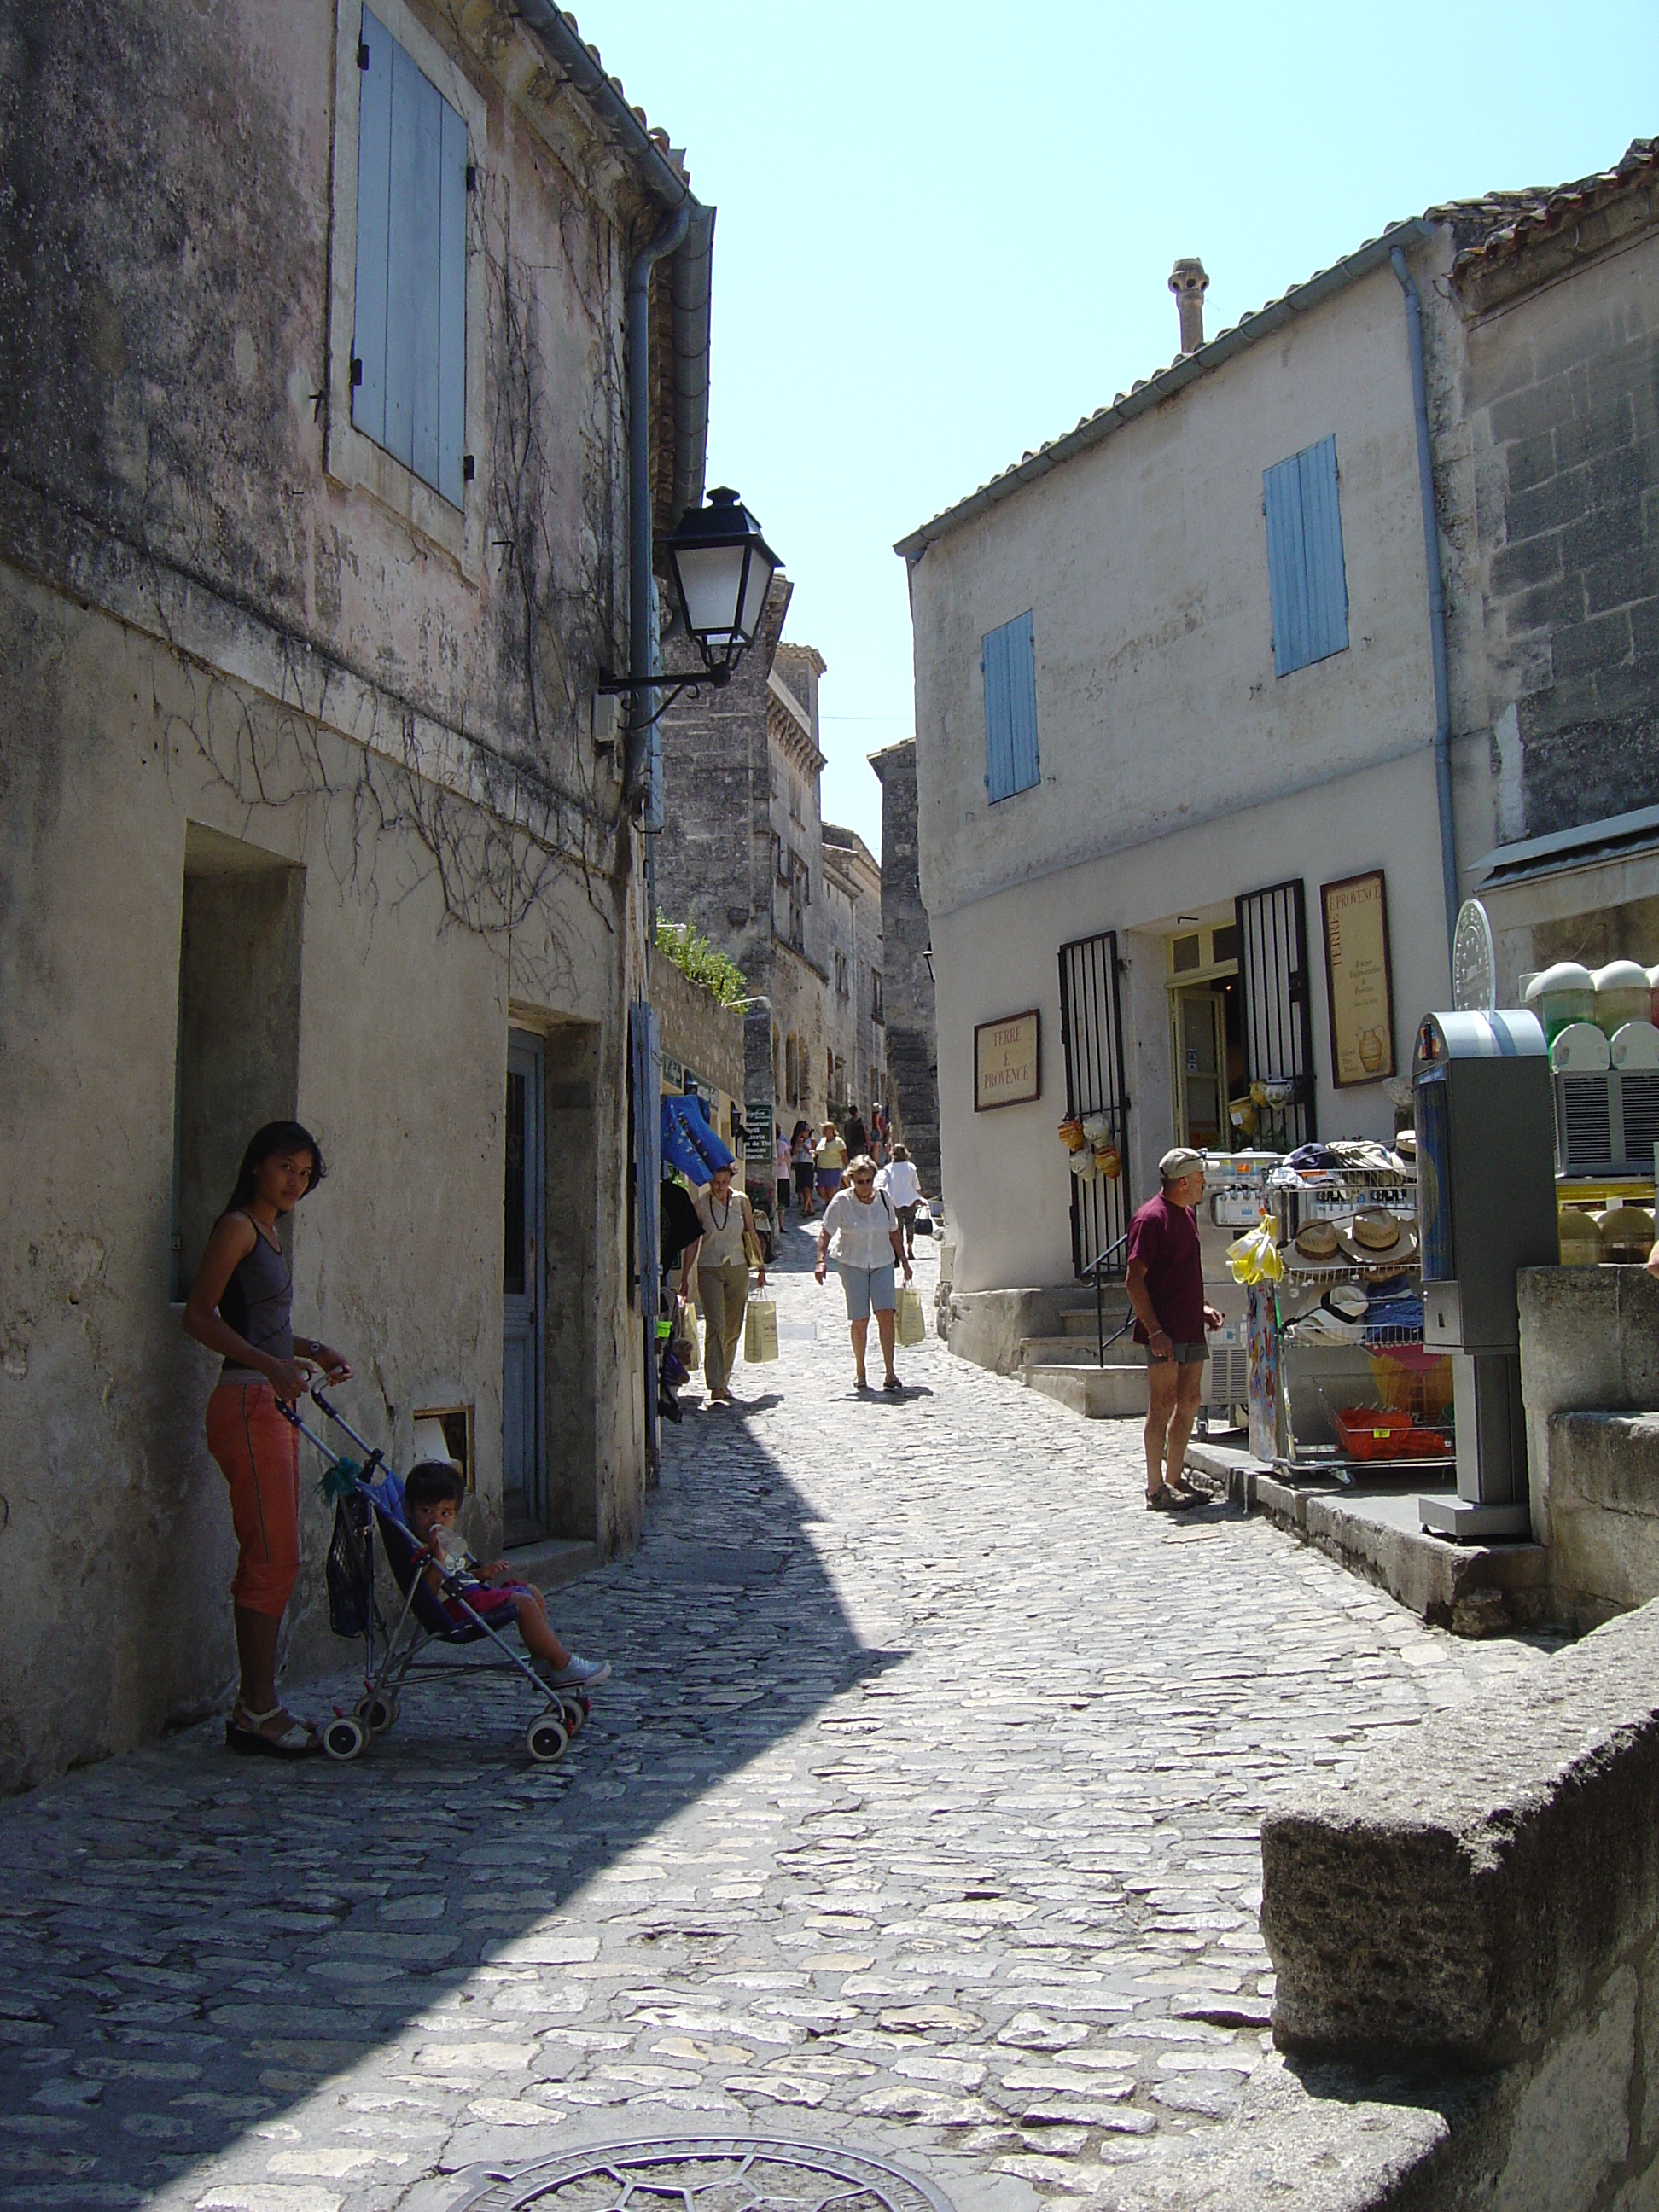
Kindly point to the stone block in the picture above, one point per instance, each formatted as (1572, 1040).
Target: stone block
(1564, 499)
(1630, 573)
(1531, 460)
(1472, 1889)
(1569, 2129)
(1526, 561)
(1590, 646)
(1629, 687)
(1590, 1340)
(1533, 412)
(1556, 606)
(1607, 429)
(1604, 529)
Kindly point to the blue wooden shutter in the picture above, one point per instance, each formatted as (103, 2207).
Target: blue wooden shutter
(1008, 661)
(1307, 576)
(411, 266)
(374, 217)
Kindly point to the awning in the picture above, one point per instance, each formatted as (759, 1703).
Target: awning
(1617, 837)
(689, 1144)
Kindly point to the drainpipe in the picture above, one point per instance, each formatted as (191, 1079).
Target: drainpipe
(640, 639)
(1443, 786)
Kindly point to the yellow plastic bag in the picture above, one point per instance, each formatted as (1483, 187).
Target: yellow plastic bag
(1254, 1257)
(760, 1331)
(912, 1321)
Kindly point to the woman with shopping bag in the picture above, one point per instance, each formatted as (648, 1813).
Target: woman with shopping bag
(868, 1248)
(729, 1245)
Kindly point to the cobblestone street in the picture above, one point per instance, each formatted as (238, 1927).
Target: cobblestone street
(921, 1816)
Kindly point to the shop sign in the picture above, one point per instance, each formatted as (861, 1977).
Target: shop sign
(673, 1074)
(1007, 1068)
(1359, 981)
(758, 1142)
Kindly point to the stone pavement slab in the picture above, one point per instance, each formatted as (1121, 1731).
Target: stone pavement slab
(921, 1815)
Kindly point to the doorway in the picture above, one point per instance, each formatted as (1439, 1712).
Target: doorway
(1201, 1065)
(522, 1262)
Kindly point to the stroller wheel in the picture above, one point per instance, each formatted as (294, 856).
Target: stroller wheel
(573, 1711)
(546, 1739)
(377, 1712)
(344, 1739)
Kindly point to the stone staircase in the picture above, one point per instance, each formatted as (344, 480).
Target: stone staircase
(1066, 1367)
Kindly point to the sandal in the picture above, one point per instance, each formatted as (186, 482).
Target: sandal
(891, 1383)
(1167, 1499)
(295, 1741)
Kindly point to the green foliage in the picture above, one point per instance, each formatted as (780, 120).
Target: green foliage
(696, 958)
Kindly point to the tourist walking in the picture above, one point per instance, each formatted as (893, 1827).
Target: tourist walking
(830, 1163)
(729, 1244)
(868, 1248)
(853, 1134)
(784, 1169)
(1166, 1290)
(902, 1185)
(881, 1132)
(802, 1150)
(240, 1306)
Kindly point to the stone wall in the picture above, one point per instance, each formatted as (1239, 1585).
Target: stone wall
(912, 1050)
(696, 1028)
(1590, 1379)
(1467, 1944)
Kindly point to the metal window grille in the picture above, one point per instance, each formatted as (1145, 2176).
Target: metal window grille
(1272, 961)
(1092, 1038)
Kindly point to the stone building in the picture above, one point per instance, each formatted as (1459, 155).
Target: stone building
(858, 1018)
(746, 858)
(701, 1044)
(1544, 365)
(313, 499)
(907, 987)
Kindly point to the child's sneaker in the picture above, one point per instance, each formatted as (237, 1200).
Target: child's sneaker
(577, 1673)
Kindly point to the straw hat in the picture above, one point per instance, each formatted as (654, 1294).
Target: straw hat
(1377, 1238)
(1315, 1245)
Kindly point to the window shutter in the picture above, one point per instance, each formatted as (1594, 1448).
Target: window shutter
(411, 266)
(1307, 578)
(374, 205)
(1008, 659)
(452, 306)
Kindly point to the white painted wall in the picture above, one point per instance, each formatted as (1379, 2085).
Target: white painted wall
(1005, 1173)
(1177, 770)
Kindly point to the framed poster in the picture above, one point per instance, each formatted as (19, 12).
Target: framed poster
(1359, 981)
(1007, 1070)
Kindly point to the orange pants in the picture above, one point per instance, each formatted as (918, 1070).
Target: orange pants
(260, 1454)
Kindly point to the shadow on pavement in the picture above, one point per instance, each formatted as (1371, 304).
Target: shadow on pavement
(196, 1941)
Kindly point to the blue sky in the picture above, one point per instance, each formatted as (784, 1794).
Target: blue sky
(944, 232)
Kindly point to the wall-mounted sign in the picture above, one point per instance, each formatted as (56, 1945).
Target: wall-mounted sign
(1007, 1070)
(758, 1153)
(1359, 981)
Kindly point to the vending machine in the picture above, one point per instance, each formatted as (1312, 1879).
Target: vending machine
(1486, 1208)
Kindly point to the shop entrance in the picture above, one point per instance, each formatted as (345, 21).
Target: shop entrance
(1200, 1064)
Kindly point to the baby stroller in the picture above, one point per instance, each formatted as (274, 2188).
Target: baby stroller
(369, 1503)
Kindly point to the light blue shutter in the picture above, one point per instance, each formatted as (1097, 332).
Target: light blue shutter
(373, 206)
(411, 266)
(1008, 661)
(1306, 577)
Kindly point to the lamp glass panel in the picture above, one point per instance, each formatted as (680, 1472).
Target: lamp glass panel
(758, 583)
(711, 577)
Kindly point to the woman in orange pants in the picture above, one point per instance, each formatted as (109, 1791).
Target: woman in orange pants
(240, 1306)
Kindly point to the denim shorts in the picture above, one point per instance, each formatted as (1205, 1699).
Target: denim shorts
(867, 1287)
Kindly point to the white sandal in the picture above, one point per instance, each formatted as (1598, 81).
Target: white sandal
(245, 1735)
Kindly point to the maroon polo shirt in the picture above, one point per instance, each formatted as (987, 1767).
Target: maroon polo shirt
(1164, 1239)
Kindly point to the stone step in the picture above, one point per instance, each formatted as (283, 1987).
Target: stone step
(1080, 1321)
(1099, 1393)
(552, 1560)
(1077, 1351)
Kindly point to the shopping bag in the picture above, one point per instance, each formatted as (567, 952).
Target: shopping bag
(760, 1331)
(1254, 1257)
(684, 1341)
(912, 1321)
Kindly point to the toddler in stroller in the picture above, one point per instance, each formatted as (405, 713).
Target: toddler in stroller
(433, 1493)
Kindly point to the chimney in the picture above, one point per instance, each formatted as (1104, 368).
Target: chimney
(1189, 284)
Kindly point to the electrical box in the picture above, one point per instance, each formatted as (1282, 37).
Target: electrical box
(1485, 1173)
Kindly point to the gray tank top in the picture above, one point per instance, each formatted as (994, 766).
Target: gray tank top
(257, 1303)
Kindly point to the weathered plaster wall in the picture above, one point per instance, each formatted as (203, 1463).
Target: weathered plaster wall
(286, 661)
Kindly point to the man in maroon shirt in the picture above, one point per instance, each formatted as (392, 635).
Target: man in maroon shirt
(1166, 1289)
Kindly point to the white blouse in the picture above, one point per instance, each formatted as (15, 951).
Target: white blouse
(862, 1234)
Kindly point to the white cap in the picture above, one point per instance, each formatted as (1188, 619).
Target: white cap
(1182, 1161)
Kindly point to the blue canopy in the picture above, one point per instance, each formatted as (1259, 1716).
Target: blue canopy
(688, 1142)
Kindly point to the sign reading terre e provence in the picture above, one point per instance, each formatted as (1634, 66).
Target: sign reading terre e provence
(1358, 984)
(1006, 1068)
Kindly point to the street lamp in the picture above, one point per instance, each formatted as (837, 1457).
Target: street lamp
(723, 569)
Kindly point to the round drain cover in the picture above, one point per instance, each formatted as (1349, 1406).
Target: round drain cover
(707, 2173)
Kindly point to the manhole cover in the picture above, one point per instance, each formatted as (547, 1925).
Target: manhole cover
(707, 2174)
